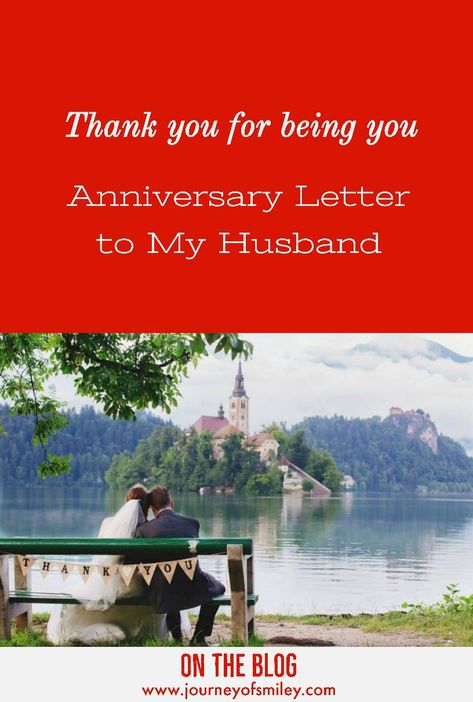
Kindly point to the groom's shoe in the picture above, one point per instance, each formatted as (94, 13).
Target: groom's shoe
(198, 641)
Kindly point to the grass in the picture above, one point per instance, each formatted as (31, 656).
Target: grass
(450, 621)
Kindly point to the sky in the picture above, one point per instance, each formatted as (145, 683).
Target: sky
(292, 376)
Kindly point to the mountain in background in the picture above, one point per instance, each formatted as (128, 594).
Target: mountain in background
(90, 437)
(401, 453)
(405, 346)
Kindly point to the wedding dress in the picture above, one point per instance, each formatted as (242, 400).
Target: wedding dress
(97, 619)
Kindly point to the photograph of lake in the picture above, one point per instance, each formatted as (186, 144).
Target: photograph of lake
(346, 554)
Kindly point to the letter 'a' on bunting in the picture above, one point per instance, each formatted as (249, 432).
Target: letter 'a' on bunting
(147, 571)
(25, 563)
(127, 572)
(65, 569)
(167, 569)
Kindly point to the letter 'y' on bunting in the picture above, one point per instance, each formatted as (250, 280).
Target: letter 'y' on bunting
(188, 566)
(127, 572)
(167, 569)
(107, 572)
(147, 571)
(25, 563)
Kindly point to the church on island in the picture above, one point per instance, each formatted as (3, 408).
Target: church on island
(264, 443)
(238, 423)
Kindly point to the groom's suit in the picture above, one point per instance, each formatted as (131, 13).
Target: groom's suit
(181, 593)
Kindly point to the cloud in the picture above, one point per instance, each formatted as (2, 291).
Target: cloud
(296, 375)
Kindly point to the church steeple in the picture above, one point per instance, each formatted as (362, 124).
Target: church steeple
(239, 404)
(239, 389)
(221, 413)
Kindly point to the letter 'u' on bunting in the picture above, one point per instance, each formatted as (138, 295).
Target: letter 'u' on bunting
(147, 571)
(127, 572)
(188, 566)
(167, 569)
(25, 563)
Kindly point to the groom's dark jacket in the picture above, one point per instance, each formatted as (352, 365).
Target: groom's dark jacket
(181, 593)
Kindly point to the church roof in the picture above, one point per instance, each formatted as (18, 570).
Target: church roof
(212, 424)
(259, 439)
(226, 431)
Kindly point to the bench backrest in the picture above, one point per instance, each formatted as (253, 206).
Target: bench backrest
(183, 547)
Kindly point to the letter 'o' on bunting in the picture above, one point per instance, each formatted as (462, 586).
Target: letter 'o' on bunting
(168, 569)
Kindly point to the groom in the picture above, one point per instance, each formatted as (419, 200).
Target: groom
(181, 593)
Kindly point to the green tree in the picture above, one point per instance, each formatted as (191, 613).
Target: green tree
(122, 372)
(239, 462)
(297, 449)
(267, 483)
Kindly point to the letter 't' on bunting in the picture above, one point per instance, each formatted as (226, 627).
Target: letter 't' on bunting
(168, 568)
(25, 563)
(147, 571)
(127, 572)
(188, 566)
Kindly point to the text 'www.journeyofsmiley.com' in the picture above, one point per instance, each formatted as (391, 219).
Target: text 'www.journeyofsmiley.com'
(234, 692)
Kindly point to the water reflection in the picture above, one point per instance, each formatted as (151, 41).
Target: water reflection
(343, 554)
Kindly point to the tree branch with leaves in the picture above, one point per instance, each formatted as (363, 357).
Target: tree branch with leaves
(124, 373)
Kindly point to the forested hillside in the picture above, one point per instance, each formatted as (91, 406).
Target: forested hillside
(383, 457)
(90, 437)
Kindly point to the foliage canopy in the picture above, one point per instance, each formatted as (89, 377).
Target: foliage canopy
(122, 372)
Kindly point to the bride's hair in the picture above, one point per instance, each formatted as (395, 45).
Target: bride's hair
(139, 492)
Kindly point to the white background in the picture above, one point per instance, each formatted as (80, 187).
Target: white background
(359, 675)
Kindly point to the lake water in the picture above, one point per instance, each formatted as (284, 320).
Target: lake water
(348, 554)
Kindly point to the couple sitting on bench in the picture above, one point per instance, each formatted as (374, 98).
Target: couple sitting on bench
(98, 620)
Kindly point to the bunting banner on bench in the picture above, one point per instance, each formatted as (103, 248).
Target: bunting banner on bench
(107, 572)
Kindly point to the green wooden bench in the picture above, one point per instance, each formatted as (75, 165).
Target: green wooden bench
(17, 603)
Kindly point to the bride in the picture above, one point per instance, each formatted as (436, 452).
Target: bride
(97, 620)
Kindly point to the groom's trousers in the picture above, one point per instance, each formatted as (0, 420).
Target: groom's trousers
(207, 613)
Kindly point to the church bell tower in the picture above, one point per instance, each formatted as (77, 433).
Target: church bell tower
(239, 402)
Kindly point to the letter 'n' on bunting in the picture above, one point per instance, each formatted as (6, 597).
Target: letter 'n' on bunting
(188, 566)
(147, 571)
(127, 572)
(168, 568)
(25, 563)
(85, 571)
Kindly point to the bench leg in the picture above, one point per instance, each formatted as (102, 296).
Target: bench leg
(250, 584)
(5, 613)
(237, 577)
(23, 582)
